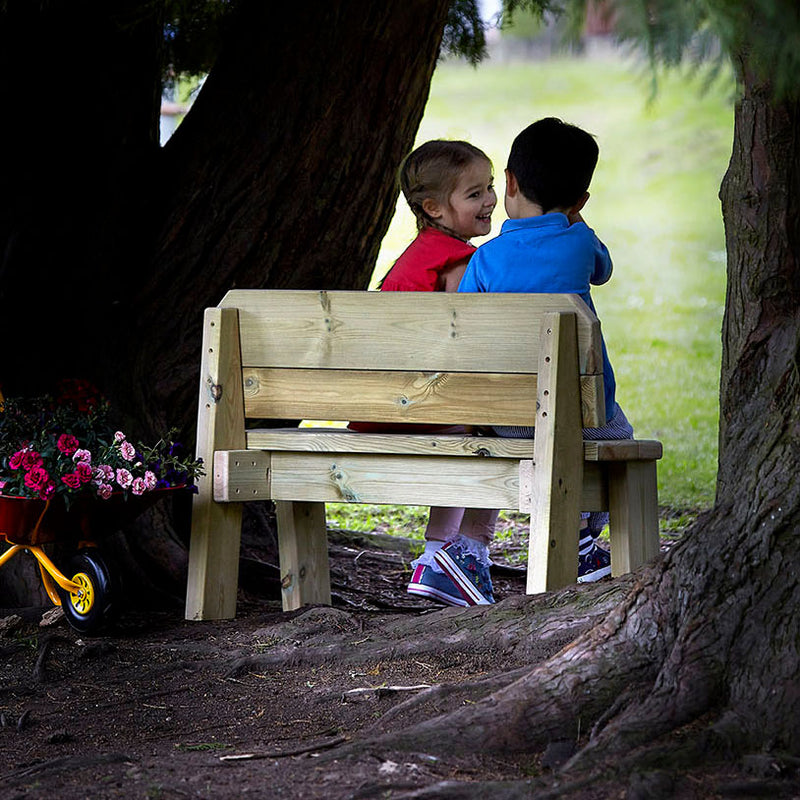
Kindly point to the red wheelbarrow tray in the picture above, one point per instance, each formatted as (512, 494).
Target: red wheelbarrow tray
(27, 524)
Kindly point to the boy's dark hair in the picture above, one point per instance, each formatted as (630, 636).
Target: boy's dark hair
(553, 163)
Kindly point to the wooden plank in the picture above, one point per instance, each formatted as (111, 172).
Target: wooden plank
(213, 570)
(622, 450)
(411, 480)
(435, 397)
(430, 331)
(398, 396)
(339, 440)
(558, 455)
(303, 554)
(241, 476)
(396, 480)
(633, 514)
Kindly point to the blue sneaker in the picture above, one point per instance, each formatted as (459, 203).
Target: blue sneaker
(471, 577)
(435, 586)
(593, 564)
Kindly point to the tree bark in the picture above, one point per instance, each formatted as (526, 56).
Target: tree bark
(283, 174)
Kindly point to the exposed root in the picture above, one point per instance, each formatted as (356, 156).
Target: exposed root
(520, 629)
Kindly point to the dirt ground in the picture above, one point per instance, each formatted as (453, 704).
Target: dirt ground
(158, 707)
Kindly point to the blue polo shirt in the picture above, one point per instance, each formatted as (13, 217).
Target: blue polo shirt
(544, 254)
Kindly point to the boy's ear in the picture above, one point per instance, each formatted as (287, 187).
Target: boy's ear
(431, 208)
(512, 187)
(576, 209)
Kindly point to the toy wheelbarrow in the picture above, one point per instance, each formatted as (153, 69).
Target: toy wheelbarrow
(86, 588)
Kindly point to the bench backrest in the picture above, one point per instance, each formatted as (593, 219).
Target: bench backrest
(414, 357)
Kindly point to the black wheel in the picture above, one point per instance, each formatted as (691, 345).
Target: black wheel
(88, 608)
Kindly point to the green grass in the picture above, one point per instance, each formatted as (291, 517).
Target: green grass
(653, 202)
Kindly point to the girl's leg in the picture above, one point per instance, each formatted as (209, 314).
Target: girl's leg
(443, 524)
(478, 524)
(428, 579)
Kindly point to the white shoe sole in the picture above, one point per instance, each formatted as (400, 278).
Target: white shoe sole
(434, 594)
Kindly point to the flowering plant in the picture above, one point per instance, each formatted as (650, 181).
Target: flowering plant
(68, 448)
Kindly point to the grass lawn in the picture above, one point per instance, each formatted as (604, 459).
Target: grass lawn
(654, 203)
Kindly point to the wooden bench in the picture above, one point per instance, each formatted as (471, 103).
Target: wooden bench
(469, 359)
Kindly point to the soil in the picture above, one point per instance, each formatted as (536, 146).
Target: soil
(261, 706)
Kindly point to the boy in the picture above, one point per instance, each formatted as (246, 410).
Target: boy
(546, 246)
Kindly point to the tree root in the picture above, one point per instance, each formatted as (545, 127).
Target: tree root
(518, 630)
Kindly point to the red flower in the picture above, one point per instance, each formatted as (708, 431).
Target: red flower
(84, 471)
(72, 479)
(67, 444)
(37, 478)
(31, 459)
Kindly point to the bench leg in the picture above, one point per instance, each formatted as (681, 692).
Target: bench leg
(213, 575)
(216, 527)
(633, 512)
(558, 457)
(303, 552)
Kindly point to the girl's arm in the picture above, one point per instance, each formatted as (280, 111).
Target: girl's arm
(451, 276)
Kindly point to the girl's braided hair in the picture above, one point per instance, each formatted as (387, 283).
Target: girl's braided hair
(431, 171)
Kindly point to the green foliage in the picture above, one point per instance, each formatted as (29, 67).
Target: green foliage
(763, 33)
(193, 33)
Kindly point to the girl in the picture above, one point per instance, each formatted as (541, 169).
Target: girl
(449, 188)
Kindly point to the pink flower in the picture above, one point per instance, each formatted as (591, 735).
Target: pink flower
(37, 478)
(127, 451)
(104, 473)
(138, 487)
(150, 480)
(83, 456)
(124, 478)
(72, 479)
(15, 462)
(67, 444)
(119, 436)
(83, 471)
(31, 459)
(104, 491)
(46, 491)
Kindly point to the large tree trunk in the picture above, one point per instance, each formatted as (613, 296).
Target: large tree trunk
(282, 175)
(701, 659)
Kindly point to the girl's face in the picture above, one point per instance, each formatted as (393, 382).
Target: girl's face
(468, 211)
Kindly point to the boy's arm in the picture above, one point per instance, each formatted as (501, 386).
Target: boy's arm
(603, 267)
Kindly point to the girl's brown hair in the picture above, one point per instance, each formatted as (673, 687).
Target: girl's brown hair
(432, 170)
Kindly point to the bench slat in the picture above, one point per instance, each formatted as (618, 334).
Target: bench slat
(430, 331)
(399, 396)
(338, 440)
(408, 480)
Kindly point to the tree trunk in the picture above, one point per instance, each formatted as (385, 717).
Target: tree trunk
(282, 175)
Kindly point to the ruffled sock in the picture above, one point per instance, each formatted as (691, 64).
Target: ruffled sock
(473, 547)
(426, 558)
